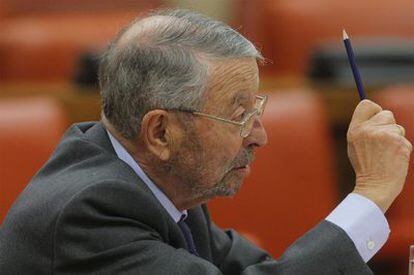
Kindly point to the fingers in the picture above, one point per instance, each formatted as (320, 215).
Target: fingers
(365, 110)
(369, 117)
(368, 111)
(392, 135)
(405, 148)
(383, 117)
(407, 144)
(392, 128)
(402, 130)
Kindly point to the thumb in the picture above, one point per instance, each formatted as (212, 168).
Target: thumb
(364, 111)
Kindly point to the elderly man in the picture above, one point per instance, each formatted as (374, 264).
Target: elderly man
(180, 123)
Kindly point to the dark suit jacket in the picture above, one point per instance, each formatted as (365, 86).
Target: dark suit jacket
(86, 211)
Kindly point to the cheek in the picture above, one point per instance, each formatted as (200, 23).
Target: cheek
(221, 150)
(221, 138)
(220, 145)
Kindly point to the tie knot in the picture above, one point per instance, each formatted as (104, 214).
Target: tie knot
(182, 219)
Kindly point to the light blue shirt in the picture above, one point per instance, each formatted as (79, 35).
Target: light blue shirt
(358, 216)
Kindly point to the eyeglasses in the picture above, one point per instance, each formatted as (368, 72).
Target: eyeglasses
(247, 121)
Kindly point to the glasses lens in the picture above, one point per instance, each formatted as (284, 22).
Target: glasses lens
(260, 105)
(248, 125)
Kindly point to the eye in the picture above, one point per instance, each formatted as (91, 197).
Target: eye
(239, 114)
(244, 115)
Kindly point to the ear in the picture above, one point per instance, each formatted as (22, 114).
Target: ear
(156, 133)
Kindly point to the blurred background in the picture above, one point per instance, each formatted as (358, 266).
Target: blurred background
(49, 52)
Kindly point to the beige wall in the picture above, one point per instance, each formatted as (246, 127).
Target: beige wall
(219, 9)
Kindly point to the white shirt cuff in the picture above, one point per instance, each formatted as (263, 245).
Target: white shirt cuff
(364, 223)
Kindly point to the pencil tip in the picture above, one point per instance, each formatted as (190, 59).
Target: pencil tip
(344, 34)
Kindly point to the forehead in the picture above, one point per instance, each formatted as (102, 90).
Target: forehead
(232, 80)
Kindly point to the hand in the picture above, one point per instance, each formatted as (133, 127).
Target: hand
(379, 153)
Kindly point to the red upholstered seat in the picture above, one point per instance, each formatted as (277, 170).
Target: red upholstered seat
(293, 184)
(42, 40)
(30, 128)
(46, 47)
(287, 30)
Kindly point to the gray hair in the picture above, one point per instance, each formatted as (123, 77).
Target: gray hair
(161, 62)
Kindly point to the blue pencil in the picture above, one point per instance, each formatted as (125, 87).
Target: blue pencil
(354, 67)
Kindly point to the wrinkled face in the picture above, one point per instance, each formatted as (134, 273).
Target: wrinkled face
(212, 158)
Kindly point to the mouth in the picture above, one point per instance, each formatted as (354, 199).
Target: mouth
(243, 165)
(243, 169)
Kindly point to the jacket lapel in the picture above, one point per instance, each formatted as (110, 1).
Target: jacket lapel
(197, 222)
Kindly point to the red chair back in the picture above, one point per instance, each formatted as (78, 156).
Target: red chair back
(287, 31)
(29, 131)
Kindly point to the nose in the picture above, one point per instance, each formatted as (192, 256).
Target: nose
(257, 137)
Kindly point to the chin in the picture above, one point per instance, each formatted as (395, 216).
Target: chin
(229, 189)
(226, 187)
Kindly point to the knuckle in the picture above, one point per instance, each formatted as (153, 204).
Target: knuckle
(400, 142)
(374, 106)
(350, 135)
(401, 130)
(386, 116)
(408, 145)
(357, 133)
(404, 146)
(404, 151)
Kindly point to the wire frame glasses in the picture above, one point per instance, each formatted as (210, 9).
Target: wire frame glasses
(247, 121)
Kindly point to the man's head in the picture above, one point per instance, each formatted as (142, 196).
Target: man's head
(159, 76)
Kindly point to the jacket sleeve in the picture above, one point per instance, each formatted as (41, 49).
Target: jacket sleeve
(325, 249)
(105, 229)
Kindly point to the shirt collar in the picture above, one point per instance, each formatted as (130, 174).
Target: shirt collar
(122, 153)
